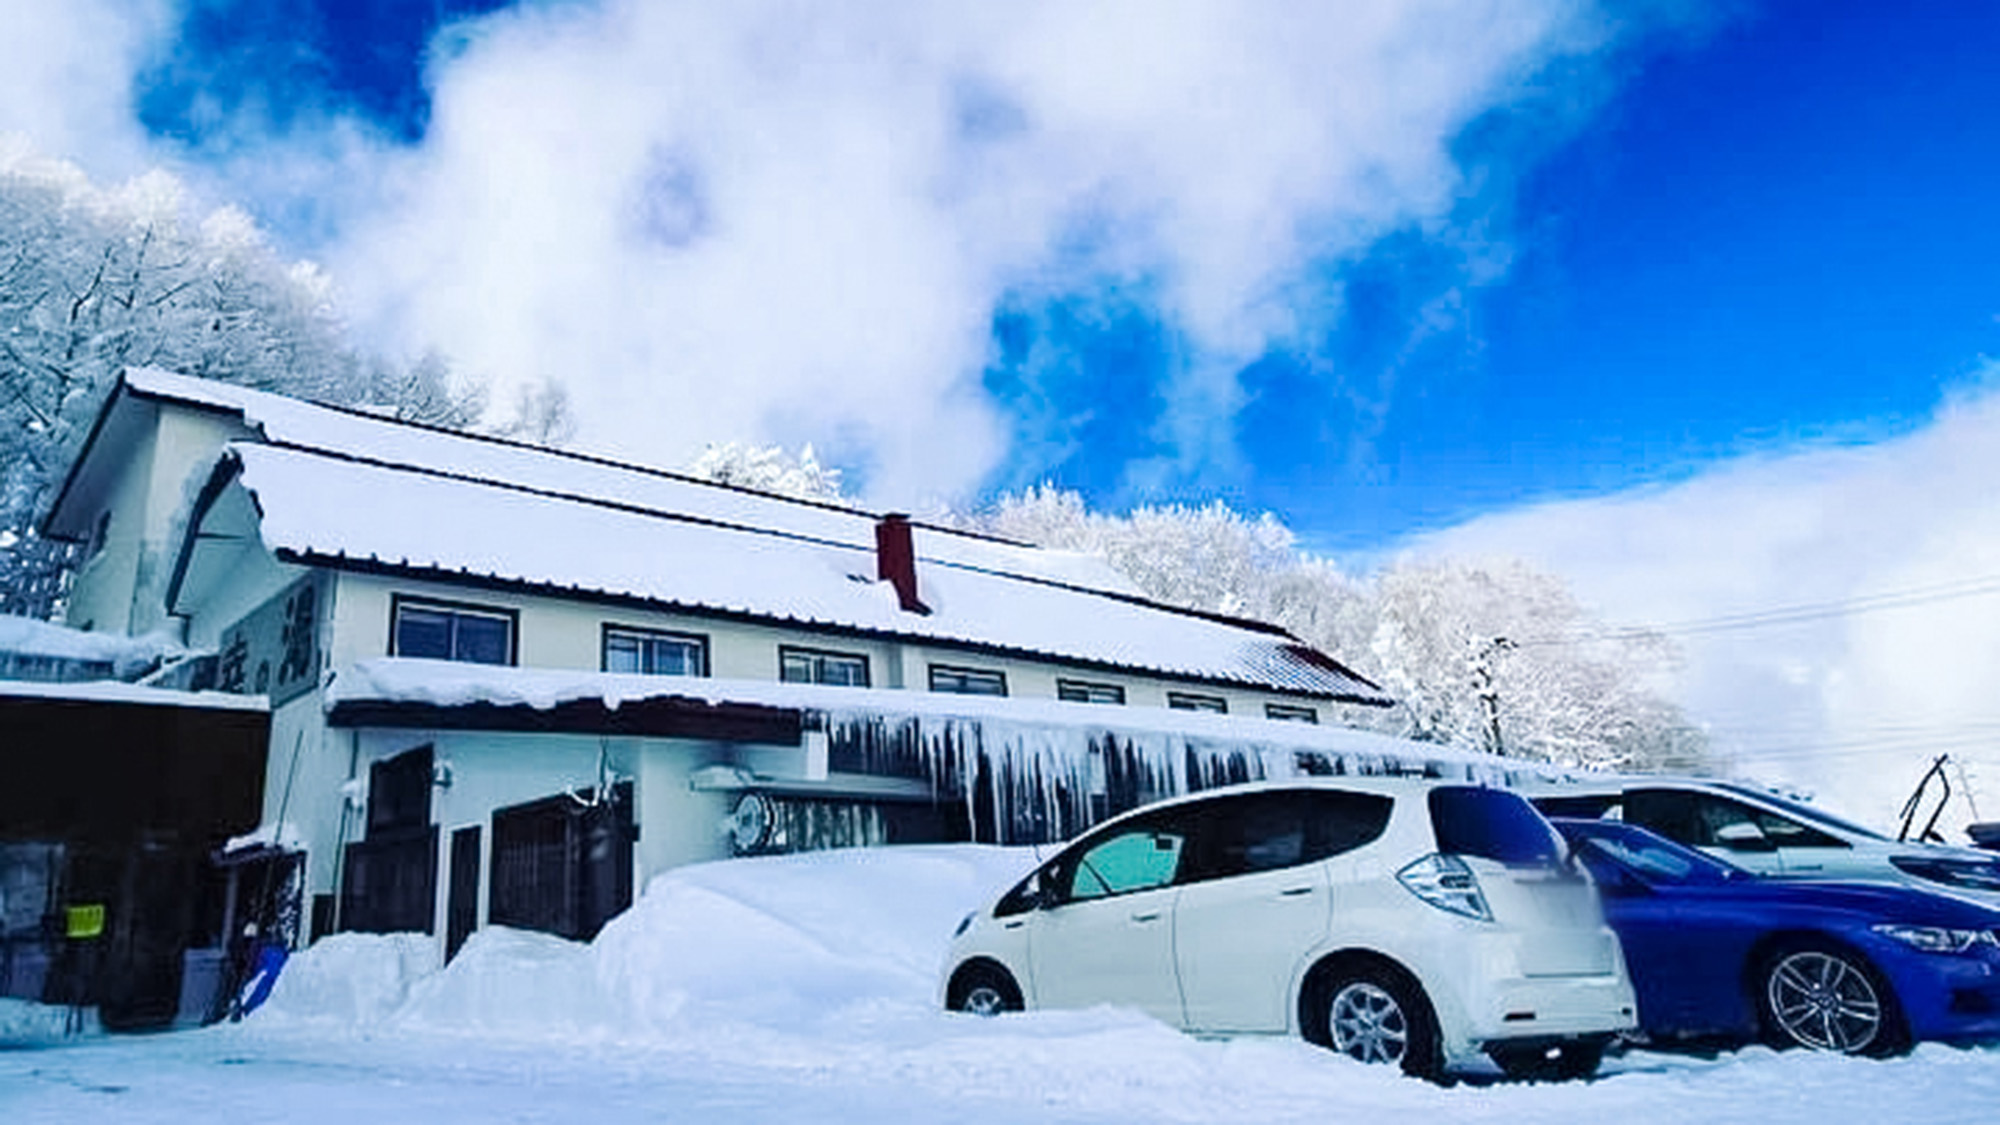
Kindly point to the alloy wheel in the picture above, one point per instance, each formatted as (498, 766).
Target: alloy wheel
(1368, 1024)
(1824, 1001)
(983, 1000)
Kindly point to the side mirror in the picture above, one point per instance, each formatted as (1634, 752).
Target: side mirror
(1045, 895)
(1744, 836)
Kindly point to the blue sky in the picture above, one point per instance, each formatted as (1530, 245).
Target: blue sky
(1770, 226)
(1693, 305)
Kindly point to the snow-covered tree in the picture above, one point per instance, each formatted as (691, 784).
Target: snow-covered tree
(1464, 647)
(768, 468)
(1503, 656)
(542, 415)
(95, 279)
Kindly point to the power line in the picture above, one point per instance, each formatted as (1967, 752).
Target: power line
(1788, 615)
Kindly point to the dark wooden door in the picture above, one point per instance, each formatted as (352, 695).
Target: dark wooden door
(461, 912)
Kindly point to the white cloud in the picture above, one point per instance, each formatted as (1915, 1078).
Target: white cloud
(1850, 704)
(784, 221)
(66, 77)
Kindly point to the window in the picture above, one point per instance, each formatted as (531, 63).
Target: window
(448, 631)
(1187, 701)
(1289, 713)
(967, 681)
(1270, 831)
(1698, 820)
(399, 792)
(1078, 691)
(812, 666)
(1493, 824)
(653, 653)
(1139, 858)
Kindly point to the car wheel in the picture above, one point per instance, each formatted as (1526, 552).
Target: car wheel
(1827, 999)
(983, 990)
(1549, 1063)
(1374, 1015)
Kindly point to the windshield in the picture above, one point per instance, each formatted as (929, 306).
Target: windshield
(1803, 811)
(1494, 824)
(1653, 859)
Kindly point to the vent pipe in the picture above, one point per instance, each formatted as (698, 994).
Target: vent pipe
(896, 560)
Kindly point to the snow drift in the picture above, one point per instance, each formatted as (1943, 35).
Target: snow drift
(794, 943)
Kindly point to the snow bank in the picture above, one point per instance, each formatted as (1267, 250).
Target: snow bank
(353, 979)
(24, 1023)
(791, 943)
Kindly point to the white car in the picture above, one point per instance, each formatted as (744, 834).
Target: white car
(1416, 923)
(1771, 834)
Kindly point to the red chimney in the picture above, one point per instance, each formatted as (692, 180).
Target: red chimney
(896, 559)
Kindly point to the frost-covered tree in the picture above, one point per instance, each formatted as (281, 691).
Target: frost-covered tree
(425, 392)
(96, 279)
(1503, 656)
(542, 415)
(768, 468)
(1464, 647)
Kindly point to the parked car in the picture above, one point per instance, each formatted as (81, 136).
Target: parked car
(1716, 952)
(1769, 834)
(1398, 921)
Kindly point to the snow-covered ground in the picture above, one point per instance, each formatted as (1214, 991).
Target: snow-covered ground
(801, 989)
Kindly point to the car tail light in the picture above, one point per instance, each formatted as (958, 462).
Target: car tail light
(1447, 883)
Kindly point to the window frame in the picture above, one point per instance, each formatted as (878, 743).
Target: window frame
(398, 602)
(818, 654)
(1291, 713)
(967, 674)
(1085, 687)
(643, 633)
(1197, 701)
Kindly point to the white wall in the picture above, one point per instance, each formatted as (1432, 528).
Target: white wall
(558, 633)
(152, 482)
(490, 771)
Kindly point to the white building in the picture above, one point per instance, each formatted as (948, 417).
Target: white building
(508, 683)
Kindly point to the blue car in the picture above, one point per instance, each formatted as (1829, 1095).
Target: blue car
(1717, 953)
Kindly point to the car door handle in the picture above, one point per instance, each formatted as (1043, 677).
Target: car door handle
(1150, 916)
(1294, 892)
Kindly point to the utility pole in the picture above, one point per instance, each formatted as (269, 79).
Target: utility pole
(1489, 695)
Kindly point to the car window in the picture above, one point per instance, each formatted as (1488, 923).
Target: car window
(1493, 824)
(1698, 819)
(1811, 814)
(1660, 863)
(1669, 812)
(1788, 833)
(1270, 831)
(1593, 806)
(1137, 859)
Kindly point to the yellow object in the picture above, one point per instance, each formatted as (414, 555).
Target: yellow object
(86, 921)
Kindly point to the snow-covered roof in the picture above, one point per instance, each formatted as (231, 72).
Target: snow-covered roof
(112, 691)
(317, 507)
(30, 637)
(295, 422)
(447, 684)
